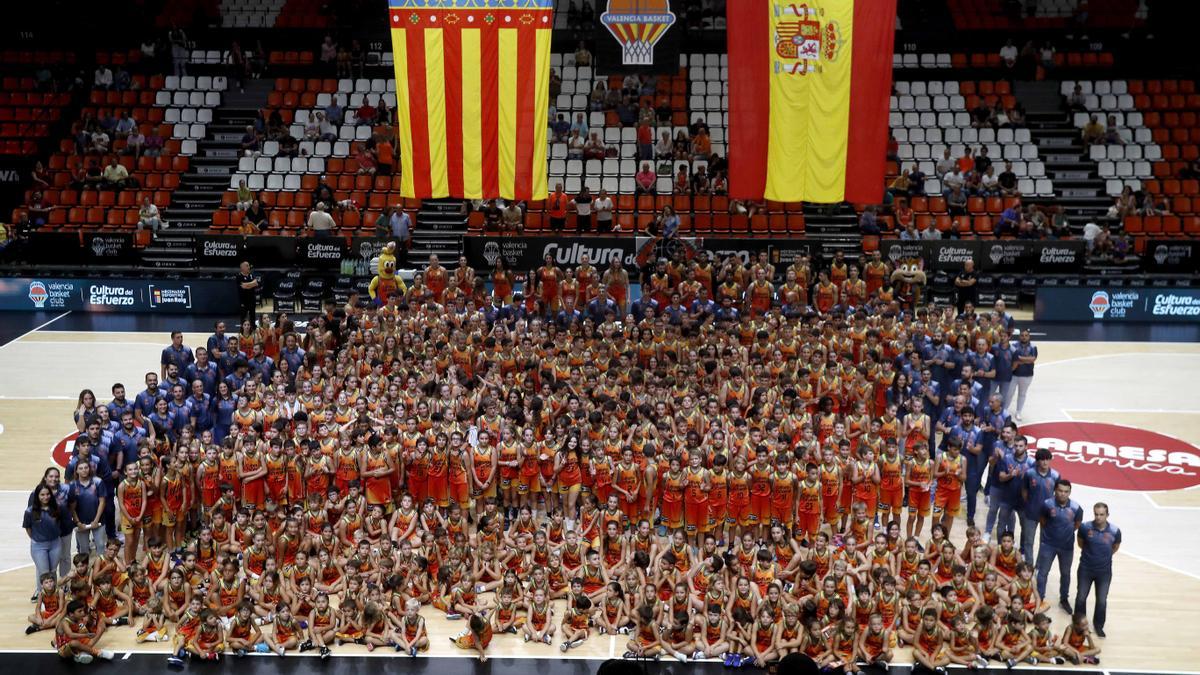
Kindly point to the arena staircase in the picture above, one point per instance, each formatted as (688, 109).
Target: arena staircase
(201, 188)
(836, 227)
(440, 227)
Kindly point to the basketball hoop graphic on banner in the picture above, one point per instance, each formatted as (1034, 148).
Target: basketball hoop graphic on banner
(638, 25)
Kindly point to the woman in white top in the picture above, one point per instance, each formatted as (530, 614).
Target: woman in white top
(603, 206)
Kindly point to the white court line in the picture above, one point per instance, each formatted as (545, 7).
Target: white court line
(87, 343)
(1173, 411)
(18, 567)
(1093, 357)
(18, 338)
(37, 398)
(1158, 564)
(1168, 508)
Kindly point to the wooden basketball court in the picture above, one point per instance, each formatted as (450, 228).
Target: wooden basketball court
(1153, 608)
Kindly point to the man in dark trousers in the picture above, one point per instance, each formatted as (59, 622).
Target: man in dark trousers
(964, 286)
(248, 285)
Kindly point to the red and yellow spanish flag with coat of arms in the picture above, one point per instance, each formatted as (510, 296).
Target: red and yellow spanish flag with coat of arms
(472, 96)
(809, 83)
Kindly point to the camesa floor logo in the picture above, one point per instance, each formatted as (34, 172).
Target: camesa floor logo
(61, 451)
(1117, 457)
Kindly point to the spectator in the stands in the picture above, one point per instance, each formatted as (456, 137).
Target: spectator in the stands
(575, 146)
(365, 114)
(1077, 101)
(38, 209)
(491, 215)
(580, 123)
(594, 148)
(320, 222)
(289, 145)
(946, 164)
(989, 183)
(953, 180)
(982, 161)
(366, 159)
(645, 181)
(1126, 203)
(683, 182)
(1112, 135)
(701, 145)
(596, 98)
(631, 85)
(893, 148)
(125, 125)
(154, 143)
(909, 233)
(1009, 219)
(122, 80)
(244, 196)
(583, 211)
(720, 182)
(966, 163)
(901, 185)
(612, 98)
(868, 223)
(103, 77)
(358, 58)
(700, 180)
(916, 180)
(323, 192)
(555, 83)
(645, 141)
(400, 226)
(665, 224)
(512, 219)
(383, 114)
(334, 112)
(179, 50)
(1155, 205)
(254, 218)
(329, 53)
(1046, 55)
(275, 125)
(956, 201)
(89, 176)
(1093, 131)
(582, 56)
(560, 128)
(1007, 181)
(627, 111)
(38, 178)
(1008, 54)
(602, 206)
(903, 212)
(664, 149)
(250, 143)
(99, 142)
(148, 216)
(1090, 232)
(682, 146)
(116, 176)
(385, 156)
(972, 184)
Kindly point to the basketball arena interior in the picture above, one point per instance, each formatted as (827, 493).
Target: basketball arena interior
(600, 336)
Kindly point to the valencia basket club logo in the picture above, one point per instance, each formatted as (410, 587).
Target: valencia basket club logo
(803, 39)
(638, 25)
(1099, 304)
(1116, 457)
(38, 294)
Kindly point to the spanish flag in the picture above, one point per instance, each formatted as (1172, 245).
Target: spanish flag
(472, 96)
(808, 98)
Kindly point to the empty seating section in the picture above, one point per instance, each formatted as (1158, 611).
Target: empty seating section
(250, 13)
(926, 118)
(1041, 14)
(301, 14)
(1121, 165)
(26, 111)
(173, 109)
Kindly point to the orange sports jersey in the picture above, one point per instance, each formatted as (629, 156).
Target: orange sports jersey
(950, 481)
(891, 473)
(810, 497)
(760, 480)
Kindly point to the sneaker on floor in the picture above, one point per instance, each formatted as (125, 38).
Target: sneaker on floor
(280, 650)
(307, 645)
(1094, 660)
(681, 657)
(325, 652)
(31, 629)
(1033, 661)
(565, 646)
(412, 651)
(697, 655)
(940, 670)
(123, 621)
(106, 654)
(262, 648)
(453, 617)
(1100, 632)
(172, 660)
(881, 664)
(1058, 660)
(526, 637)
(546, 639)
(1065, 606)
(1011, 663)
(629, 655)
(240, 653)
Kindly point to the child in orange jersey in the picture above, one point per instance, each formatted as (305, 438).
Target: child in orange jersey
(874, 646)
(1077, 644)
(929, 644)
(951, 474)
(919, 478)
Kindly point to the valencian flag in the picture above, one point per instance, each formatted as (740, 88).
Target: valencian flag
(808, 98)
(472, 95)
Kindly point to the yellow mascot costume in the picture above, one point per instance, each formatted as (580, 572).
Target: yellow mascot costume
(386, 283)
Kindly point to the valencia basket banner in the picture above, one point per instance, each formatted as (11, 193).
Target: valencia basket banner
(472, 95)
(808, 98)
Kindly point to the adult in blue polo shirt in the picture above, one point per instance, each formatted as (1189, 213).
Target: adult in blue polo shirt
(119, 404)
(1025, 353)
(968, 433)
(124, 448)
(200, 409)
(294, 356)
(993, 487)
(143, 403)
(204, 370)
(216, 341)
(1003, 359)
(176, 353)
(1060, 518)
(1098, 541)
(87, 498)
(983, 365)
(1012, 479)
(1036, 487)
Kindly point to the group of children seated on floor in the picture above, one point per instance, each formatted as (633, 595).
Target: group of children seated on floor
(263, 584)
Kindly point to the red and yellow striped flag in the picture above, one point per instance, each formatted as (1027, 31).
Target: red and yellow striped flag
(472, 95)
(808, 98)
